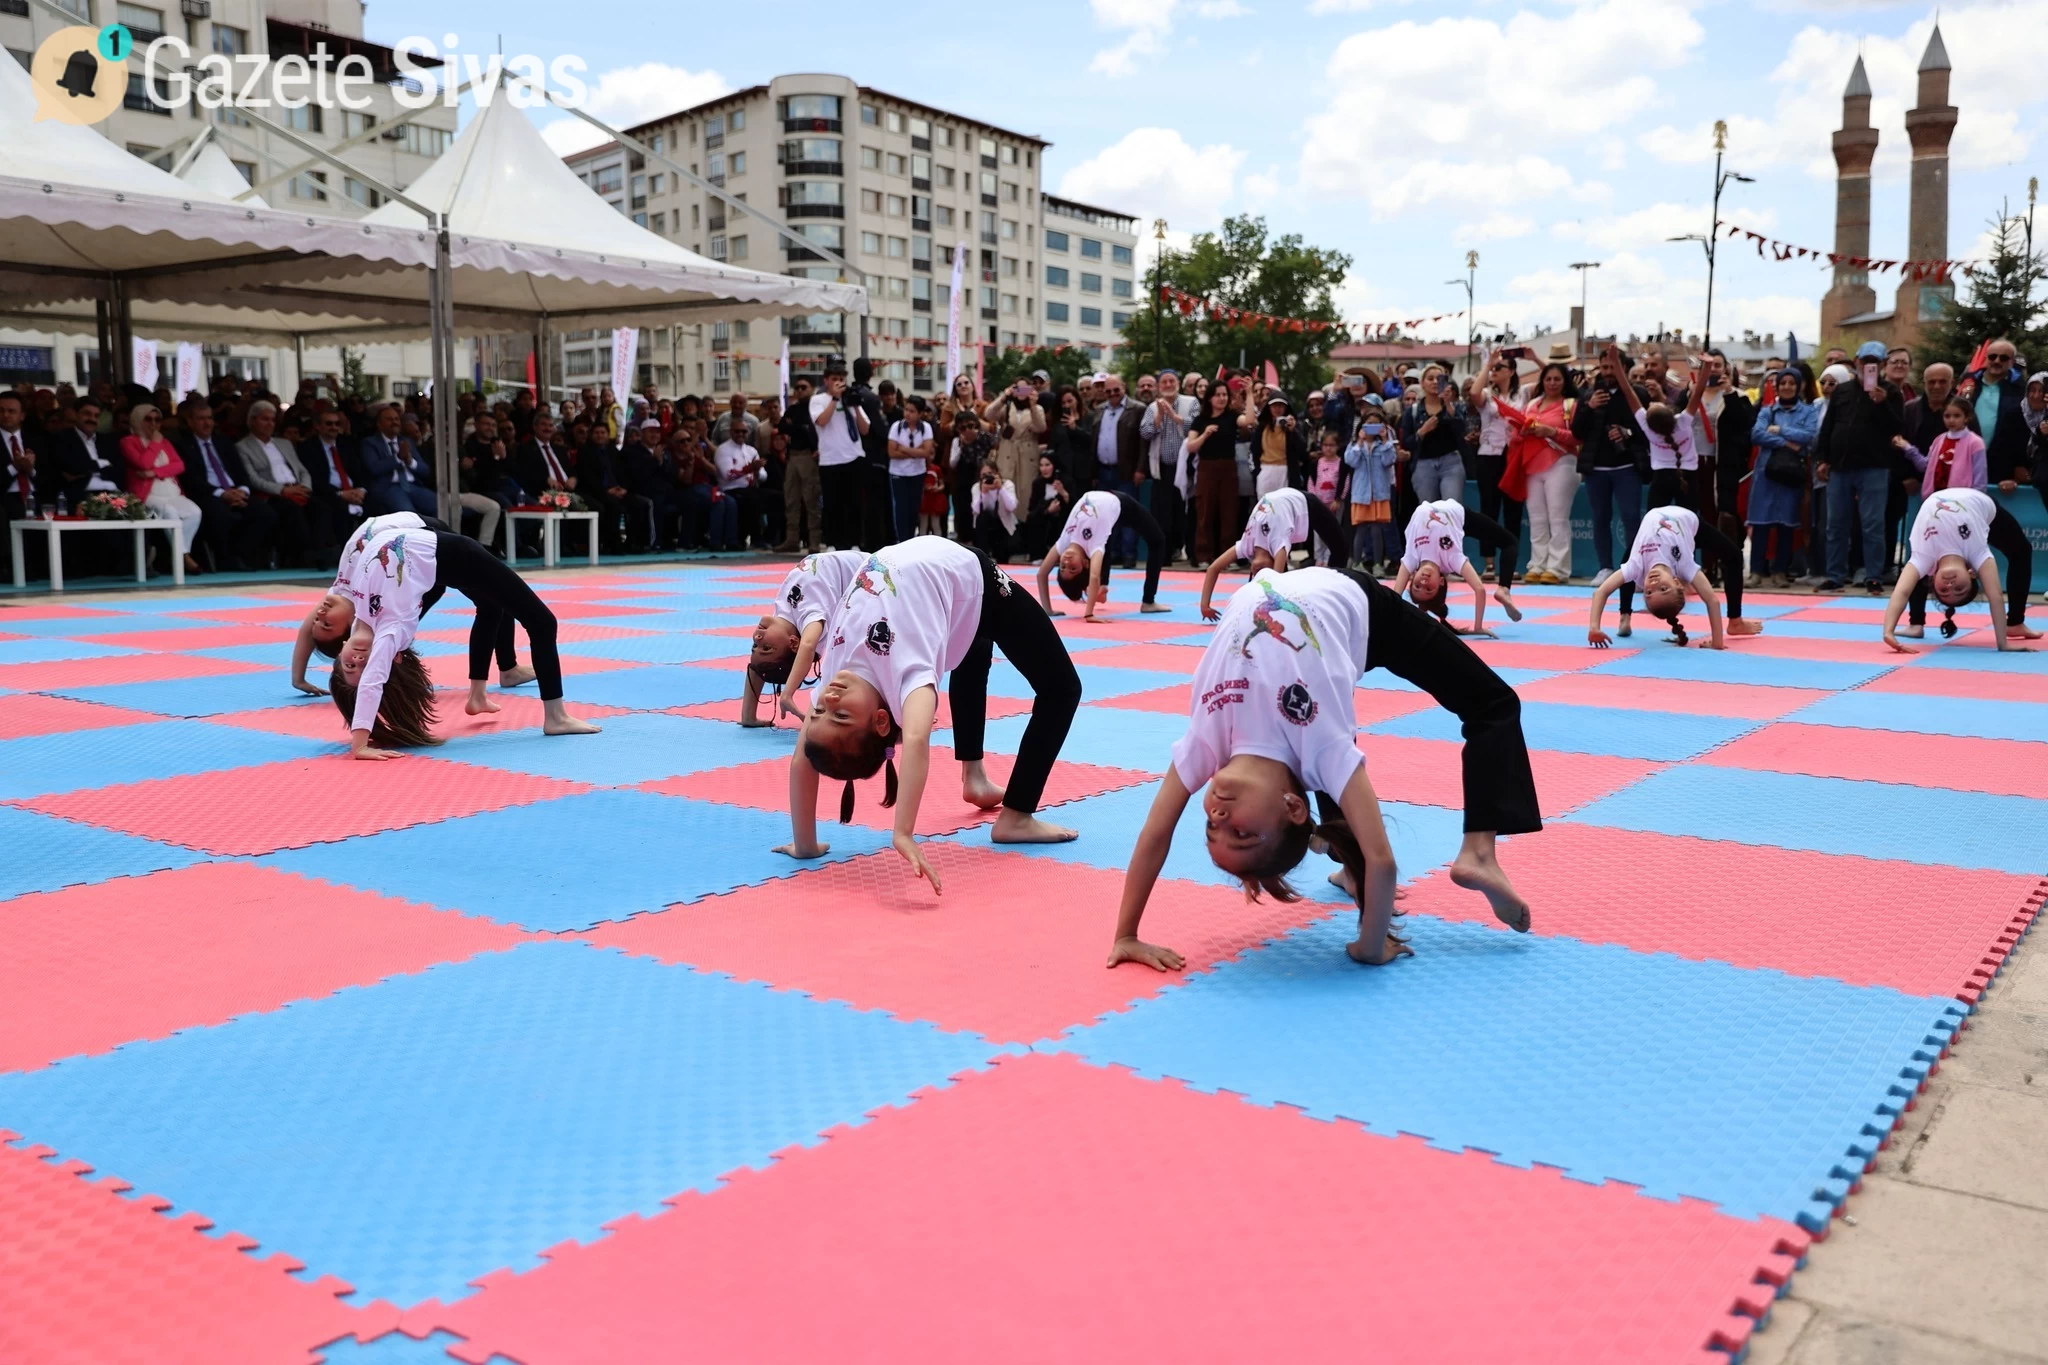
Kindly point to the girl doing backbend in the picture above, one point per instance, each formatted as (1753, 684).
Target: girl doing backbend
(786, 640)
(1280, 520)
(915, 612)
(1435, 554)
(1953, 537)
(1273, 722)
(1082, 548)
(1661, 562)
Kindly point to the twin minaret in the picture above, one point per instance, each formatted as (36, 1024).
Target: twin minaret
(1850, 305)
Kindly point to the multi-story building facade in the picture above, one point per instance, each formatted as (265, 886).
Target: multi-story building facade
(322, 31)
(894, 187)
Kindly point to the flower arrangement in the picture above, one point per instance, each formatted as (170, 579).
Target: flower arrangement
(556, 500)
(113, 507)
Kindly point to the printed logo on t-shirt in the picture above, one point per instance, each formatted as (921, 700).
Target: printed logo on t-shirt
(1296, 704)
(1266, 620)
(1223, 694)
(376, 603)
(796, 593)
(880, 637)
(874, 577)
(1444, 542)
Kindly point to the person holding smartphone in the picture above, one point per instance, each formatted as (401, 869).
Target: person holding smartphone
(1853, 454)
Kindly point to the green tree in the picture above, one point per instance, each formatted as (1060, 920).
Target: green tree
(2004, 301)
(1241, 265)
(1066, 365)
(353, 379)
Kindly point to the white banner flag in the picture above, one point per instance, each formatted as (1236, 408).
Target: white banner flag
(953, 318)
(782, 373)
(191, 372)
(142, 362)
(625, 354)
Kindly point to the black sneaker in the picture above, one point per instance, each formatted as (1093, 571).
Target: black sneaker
(1828, 585)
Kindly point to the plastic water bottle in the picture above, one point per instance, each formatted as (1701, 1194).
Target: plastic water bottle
(60, 505)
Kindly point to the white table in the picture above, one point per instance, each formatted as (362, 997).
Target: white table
(55, 530)
(550, 534)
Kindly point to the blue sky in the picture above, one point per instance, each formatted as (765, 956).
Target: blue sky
(1536, 134)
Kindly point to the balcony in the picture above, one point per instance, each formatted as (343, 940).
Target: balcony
(814, 168)
(720, 343)
(811, 125)
(924, 265)
(988, 201)
(922, 144)
(920, 225)
(717, 180)
(715, 220)
(639, 201)
(815, 211)
(713, 141)
(833, 339)
(988, 163)
(921, 305)
(921, 183)
(988, 238)
(988, 277)
(799, 253)
(988, 315)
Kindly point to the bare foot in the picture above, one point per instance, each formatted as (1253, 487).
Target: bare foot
(1341, 879)
(1150, 608)
(569, 725)
(1507, 604)
(479, 705)
(515, 677)
(1483, 874)
(1625, 629)
(977, 790)
(1742, 625)
(1015, 827)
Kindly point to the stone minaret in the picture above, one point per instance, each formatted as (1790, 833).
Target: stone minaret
(1855, 146)
(1929, 124)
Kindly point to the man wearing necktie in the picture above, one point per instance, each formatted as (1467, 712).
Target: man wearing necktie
(23, 478)
(235, 529)
(397, 479)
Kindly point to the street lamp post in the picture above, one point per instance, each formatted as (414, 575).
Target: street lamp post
(1471, 324)
(1582, 267)
(1712, 240)
(1158, 284)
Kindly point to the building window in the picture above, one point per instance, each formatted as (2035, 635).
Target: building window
(304, 119)
(898, 248)
(580, 363)
(899, 289)
(893, 121)
(247, 168)
(659, 223)
(1092, 248)
(870, 201)
(1009, 229)
(815, 192)
(988, 184)
(422, 141)
(640, 220)
(945, 137)
(1010, 188)
(1009, 303)
(1010, 266)
(714, 126)
(945, 218)
(360, 193)
(1010, 155)
(921, 292)
(894, 164)
(140, 99)
(145, 25)
(1120, 289)
(831, 236)
(868, 115)
(736, 120)
(739, 163)
(1055, 241)
(898, 205)
(811, 106)
(1056, 277)
(609, 179)
(1120, 255)
(1119, 320)
(311, 185)
(1091, 284)
(1055, 312)
(1091, 317)
(871, 158)
(871, 243)
(717, 246)
(229, 40)
(945, 177)
(737, 246)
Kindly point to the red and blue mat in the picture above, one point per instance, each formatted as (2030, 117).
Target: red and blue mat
(531, 1050)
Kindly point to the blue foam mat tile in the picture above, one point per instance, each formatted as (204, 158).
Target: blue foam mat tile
(630, 749)
(393, 1348)
(680, 647)
(1963, 717)
(198, 605)
(1097, 684)
(1548, 632)
(1832, 815)
(414, 1135)
(1731, 665)
(39, 765)
(575, 861)
(194, 697)
(659, 686)
(1826, 630)
(1667, 737)
(1983, 659)
(48, 854)
(1762, 1092)
(1112, 737)
(97, 627)
(279, 655)
(52, 650)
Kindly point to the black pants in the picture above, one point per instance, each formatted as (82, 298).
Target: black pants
(877, 508)
(2009, 538)
(1324, 526)
(1500, 789)
(237, 537)
(1012, 620)
(501, 597)
(1495, 540)
(1673, 488)
(1170, 510)
(1498, 506)
(992, 538)
(1711, 544)
(840, 485)
(1157, 547)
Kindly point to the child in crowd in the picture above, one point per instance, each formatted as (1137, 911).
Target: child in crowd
(1082, 552)
(1953, 537)
(1435, 554)
(786, 640)
(1673, 456)
(1327, 482)
(1661, 562)
(1273, 721)
(1279, 521)
(915, 612)
(1372, 457)
(1954, 459)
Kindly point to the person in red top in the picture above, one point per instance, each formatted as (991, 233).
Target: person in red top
(1954, 459)
(153, 470)
(1543, 471)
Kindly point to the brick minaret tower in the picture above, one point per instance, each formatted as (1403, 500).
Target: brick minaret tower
(1929, 124)
(1855, 146)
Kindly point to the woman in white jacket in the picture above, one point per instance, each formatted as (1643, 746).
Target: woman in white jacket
(993, 507)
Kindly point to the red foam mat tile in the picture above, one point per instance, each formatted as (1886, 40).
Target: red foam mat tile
(572, 631)
(118, 668)
(249, 811)
(212, 637)
(1430, 772)
(25, 714)
(52, 611)
(1871, 651)
(868, 932)
(452, 670)
(91, 967)
(286, 613)
(764, 785)
(1048, 1210)
(1982, 684)
(1161, 658)
(2007, 767)
(88, 1277)
(1666, 694)
(1920, 929)
(1142, 629)
(1816, 609)
(1176, 699)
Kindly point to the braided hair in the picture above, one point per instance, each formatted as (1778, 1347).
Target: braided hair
(1948, 613)
(868, 753)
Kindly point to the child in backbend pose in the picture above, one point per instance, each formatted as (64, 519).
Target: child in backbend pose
(1954, 534)
(1273, 722)
(1082, 547)
(1661, 562)
(379, 681)
(917, 611)
(1435, 554)
(321, 631)
(1280, 520)
(1673, 456)
(786, 640)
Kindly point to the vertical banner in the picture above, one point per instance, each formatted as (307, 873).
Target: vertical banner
(533, 378)
(782, 373)
(625, 354)
(953, 320)
(142, 362)
(191, 372)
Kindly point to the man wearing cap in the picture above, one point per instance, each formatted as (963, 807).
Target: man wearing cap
(1853, 455)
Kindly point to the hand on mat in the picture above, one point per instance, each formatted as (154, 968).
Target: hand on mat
(367, 752)
(1150, 954)
(1480, 633)
(907, 846)
(1096, 620)
(1705, 644)
(787, 705)
(310, 689)
(1898, 648)
(1211, 614)
(1394, 947)
(1599, 639)
(790, 850)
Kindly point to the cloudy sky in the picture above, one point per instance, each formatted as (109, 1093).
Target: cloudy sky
(1538, 134)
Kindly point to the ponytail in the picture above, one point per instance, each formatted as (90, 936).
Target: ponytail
(1948, 623)
(870, 753)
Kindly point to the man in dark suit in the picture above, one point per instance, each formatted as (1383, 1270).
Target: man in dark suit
(538, 467)
(28, 479)
(81, 461)
(398, 479)
(235, 528)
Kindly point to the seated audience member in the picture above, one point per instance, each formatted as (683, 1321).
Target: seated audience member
(277, 476)
(733, 514)
(397, 474)
(81, 461)
(994, 509)
(234, 528)
(153, 469)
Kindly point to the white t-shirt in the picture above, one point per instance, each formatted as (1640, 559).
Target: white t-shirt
(731, 458)
(1276, 681)
(1675, 452)
(908, 617)
(1436, 535)
(911, 437)
(817, 585)
(1954, 521)
(1277, 523)
(1666, 537)
(396, 571)
(346, 581)
(835, 444)
(1090, 523)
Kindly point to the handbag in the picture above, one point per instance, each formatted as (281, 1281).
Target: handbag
(1786, 466)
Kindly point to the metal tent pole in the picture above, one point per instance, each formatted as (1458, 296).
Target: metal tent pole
(446, 467)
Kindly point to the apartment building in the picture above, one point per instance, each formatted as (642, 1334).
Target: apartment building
(321, 31)
(895, 187)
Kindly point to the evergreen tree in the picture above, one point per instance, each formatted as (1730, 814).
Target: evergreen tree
(2004, 301)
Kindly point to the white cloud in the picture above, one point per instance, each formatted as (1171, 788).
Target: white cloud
(1146, 25)
(1342, 6)
(1469, 96)
(628, 95)
(1495, 227)
(1153, 172)
(1654, 225)
(1221, 9)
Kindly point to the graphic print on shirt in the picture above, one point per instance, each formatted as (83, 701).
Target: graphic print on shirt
(1942, 505)
(880, 637)
(1444, 541)
(391, 554)
(1266, 620)
(1296, 705)
(796, 594)
(1664, 525)
(874, 577)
